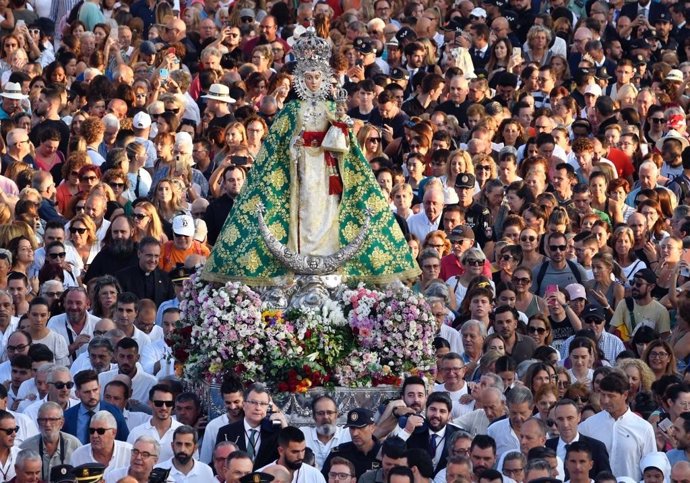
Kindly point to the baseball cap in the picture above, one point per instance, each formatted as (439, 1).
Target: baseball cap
(465, 180)
(674, 75)
(399, 74)
(359, 418)
(478, 12)
(141, 121)
(462, 231)
(646, 274)
(592, 312)
(576, 291)
(593, 89)
(183, 225)
(364, 45)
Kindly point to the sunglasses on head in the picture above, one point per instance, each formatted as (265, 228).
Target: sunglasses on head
(160, 404)
(100, 431)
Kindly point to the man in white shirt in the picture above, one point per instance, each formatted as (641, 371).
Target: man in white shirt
(156, 357)
(144, 457)
(627, 437)
(8, 450)
(161, 426)
(7, 326)
(440, 310)
(505, 432)
(453, 368)
(231, 392)
(39, 313)
(127, 358)
(325, 435)
(183, 466)
(291, 449)
(427, 220)
(103, 448)
(100, 359)
(60, 385)
(117, 393)
(76, 324)
(18, 344)
(55, 231)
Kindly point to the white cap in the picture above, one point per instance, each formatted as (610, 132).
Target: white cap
(201, 231)
(183, 225)
(674, 75)
(593, 89)
(141, 121)
(478, 12)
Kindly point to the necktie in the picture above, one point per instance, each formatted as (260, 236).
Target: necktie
(252, 442)
(432, 445)
(89, 415)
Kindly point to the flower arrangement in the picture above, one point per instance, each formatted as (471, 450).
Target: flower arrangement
(363, 338)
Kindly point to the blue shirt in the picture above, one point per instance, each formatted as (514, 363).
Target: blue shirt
(676, 455)
(83, 422)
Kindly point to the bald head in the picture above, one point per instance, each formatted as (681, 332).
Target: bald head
(680, 473)
(105, 325)
(280, 473)
(433, 203)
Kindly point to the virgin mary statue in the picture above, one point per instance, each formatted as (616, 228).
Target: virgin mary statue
(314, 200)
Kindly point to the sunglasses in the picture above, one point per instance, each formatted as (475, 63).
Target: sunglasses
(507, 258)
(521, 280)
(55, 256)
(594, 321)
(88, 178)
(139, 216)
(474, 263)
(247, 19)
(373, 140)
(558, 248)
(116, 185)
(581, 399)
(79, 208)
(160, 404)
(52, 294)
(81, 231)
(74, 173)
(536, 330)
(100, 431)
(483, 167)
(528, 239)
(9, 431)
(657, 120)
(62, 385)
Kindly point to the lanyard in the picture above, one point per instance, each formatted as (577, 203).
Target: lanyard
(40, 453)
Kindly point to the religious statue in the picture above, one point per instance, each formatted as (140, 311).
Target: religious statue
(314, 193)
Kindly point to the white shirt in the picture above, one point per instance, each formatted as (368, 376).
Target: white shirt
(83, 363)
(458, 408)
(628, 439)
(420, 226)
(560, 447)
(5, 371)
(210, 434)
(135, 418)
(7, 470)
(200, 472)
(121, 455)
(157, 351)
(306, 474)
(166, 441)
(56, 343)
(453, 337)
(156, 333)
(32, 411)
(114, 475)
(60, 325)
(144, 185)
(257, 435)
(141, 382)
(505, 437)
(27, 428)
(321, 450)
(72, 257)
(11, 327)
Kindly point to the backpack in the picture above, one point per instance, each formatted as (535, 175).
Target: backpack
(684, 185)
(544, 266)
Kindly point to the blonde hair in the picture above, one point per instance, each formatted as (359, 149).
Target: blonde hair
(646, 375)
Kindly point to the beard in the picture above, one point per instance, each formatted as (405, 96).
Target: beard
(326, 429)
(183, 458)
(122, 247)
(293, 465)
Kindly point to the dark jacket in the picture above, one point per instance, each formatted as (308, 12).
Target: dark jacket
(268, 449)
(215, 216)
(106, 262)
(600, 455)
(133, 279)
(420, 440)
(72, 414)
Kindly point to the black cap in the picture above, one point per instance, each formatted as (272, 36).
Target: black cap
(257, 477)
(460, 232)
(399, 74)
(639, 60)
(581, 123)
(179, 274)
(512, 18)
(453, 26)
(663, 16)
(593, 312)
(646, 274)
(89, 472)
(364, 45)
(505, 78)
(546, 479)
(405, 33)
(62, 473)
(638, 44)
(602, 74)
(359, 418)
(465, 180)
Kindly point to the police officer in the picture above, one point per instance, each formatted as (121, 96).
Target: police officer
(364, 447)
(477, 216)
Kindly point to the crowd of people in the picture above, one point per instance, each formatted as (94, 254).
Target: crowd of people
(535, 155)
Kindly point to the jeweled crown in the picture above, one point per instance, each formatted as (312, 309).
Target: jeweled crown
(340, 95)
(312, 48)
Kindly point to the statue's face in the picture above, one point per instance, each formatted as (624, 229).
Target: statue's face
(313, 80)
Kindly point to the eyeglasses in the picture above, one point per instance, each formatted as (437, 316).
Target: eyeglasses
(88, 178)
(325, 413)
(100, 431)
(658, 355)
(563, 384)
(528, 239)
(17, 348)
(48, 420)
(592, 320)
(9, 431)
(144, 454)
(113, 184)
(160, 404)
(536, 330)
(246, 19)
(339, 476)
(74, 229)
(558, 248)
(453, 369)
(514, 471)
(435, 246)
(581, 399)
(55, 256)
(259, 404)
(373, 140)
(98, 333)
(521, 280)
(62, 385)
(52, 295)
(74, 173)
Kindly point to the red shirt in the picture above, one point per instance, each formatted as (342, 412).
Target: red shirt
(622, 162)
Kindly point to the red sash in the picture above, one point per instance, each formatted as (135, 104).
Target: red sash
(314, 140)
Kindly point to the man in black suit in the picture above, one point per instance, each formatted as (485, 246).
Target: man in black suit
(567, 417)
(219, 209)
(643, 8)
(480, 51)
(145, 278)
(255, 434)
(434, 434)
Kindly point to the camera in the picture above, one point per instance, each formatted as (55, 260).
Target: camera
(159, 475)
